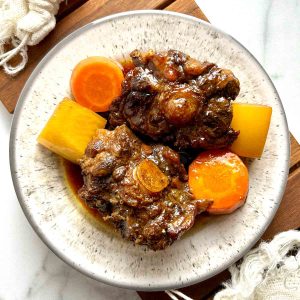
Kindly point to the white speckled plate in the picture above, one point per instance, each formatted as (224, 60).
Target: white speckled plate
(53, 211)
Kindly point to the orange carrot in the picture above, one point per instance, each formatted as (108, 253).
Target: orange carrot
(96, 82)
(220, 176)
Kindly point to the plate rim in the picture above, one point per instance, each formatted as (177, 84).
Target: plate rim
(58, 252)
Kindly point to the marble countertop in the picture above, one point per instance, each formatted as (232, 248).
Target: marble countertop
(29, 270)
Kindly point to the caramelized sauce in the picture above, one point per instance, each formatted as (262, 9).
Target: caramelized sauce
(127, 65)
(75, 181)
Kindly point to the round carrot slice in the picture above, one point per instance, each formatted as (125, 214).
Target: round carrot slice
(96, 82)
(220, 176)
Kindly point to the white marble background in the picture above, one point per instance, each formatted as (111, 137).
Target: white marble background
(28, 270)
(270, 30)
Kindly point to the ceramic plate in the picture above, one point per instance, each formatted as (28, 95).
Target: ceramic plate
(53, 210)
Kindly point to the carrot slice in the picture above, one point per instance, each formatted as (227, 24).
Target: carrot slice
(220, 176)
(96, 82)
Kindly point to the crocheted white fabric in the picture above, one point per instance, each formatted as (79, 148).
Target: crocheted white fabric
(22, 23)
(269, 272)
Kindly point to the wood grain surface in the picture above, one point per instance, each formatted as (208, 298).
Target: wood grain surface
(66, 7)
(187, 7)
(295, 154)
(77, 13)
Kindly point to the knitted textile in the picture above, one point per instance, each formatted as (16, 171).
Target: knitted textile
(22, 23)
(269, 272)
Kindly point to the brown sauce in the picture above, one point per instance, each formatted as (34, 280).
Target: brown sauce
(75, 182)
(127, 65)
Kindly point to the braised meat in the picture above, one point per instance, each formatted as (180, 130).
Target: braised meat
(175, 99)
(140, 189)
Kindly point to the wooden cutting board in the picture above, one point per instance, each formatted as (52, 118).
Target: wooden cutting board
(77, 13)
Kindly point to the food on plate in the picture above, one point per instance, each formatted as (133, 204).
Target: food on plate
(96, 82)
(141, 190)
(69, 130)
(221, 176)
(253, 121)
(159, 103)
(175, 99)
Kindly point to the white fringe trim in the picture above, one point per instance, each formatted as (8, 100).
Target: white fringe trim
(269, 272)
